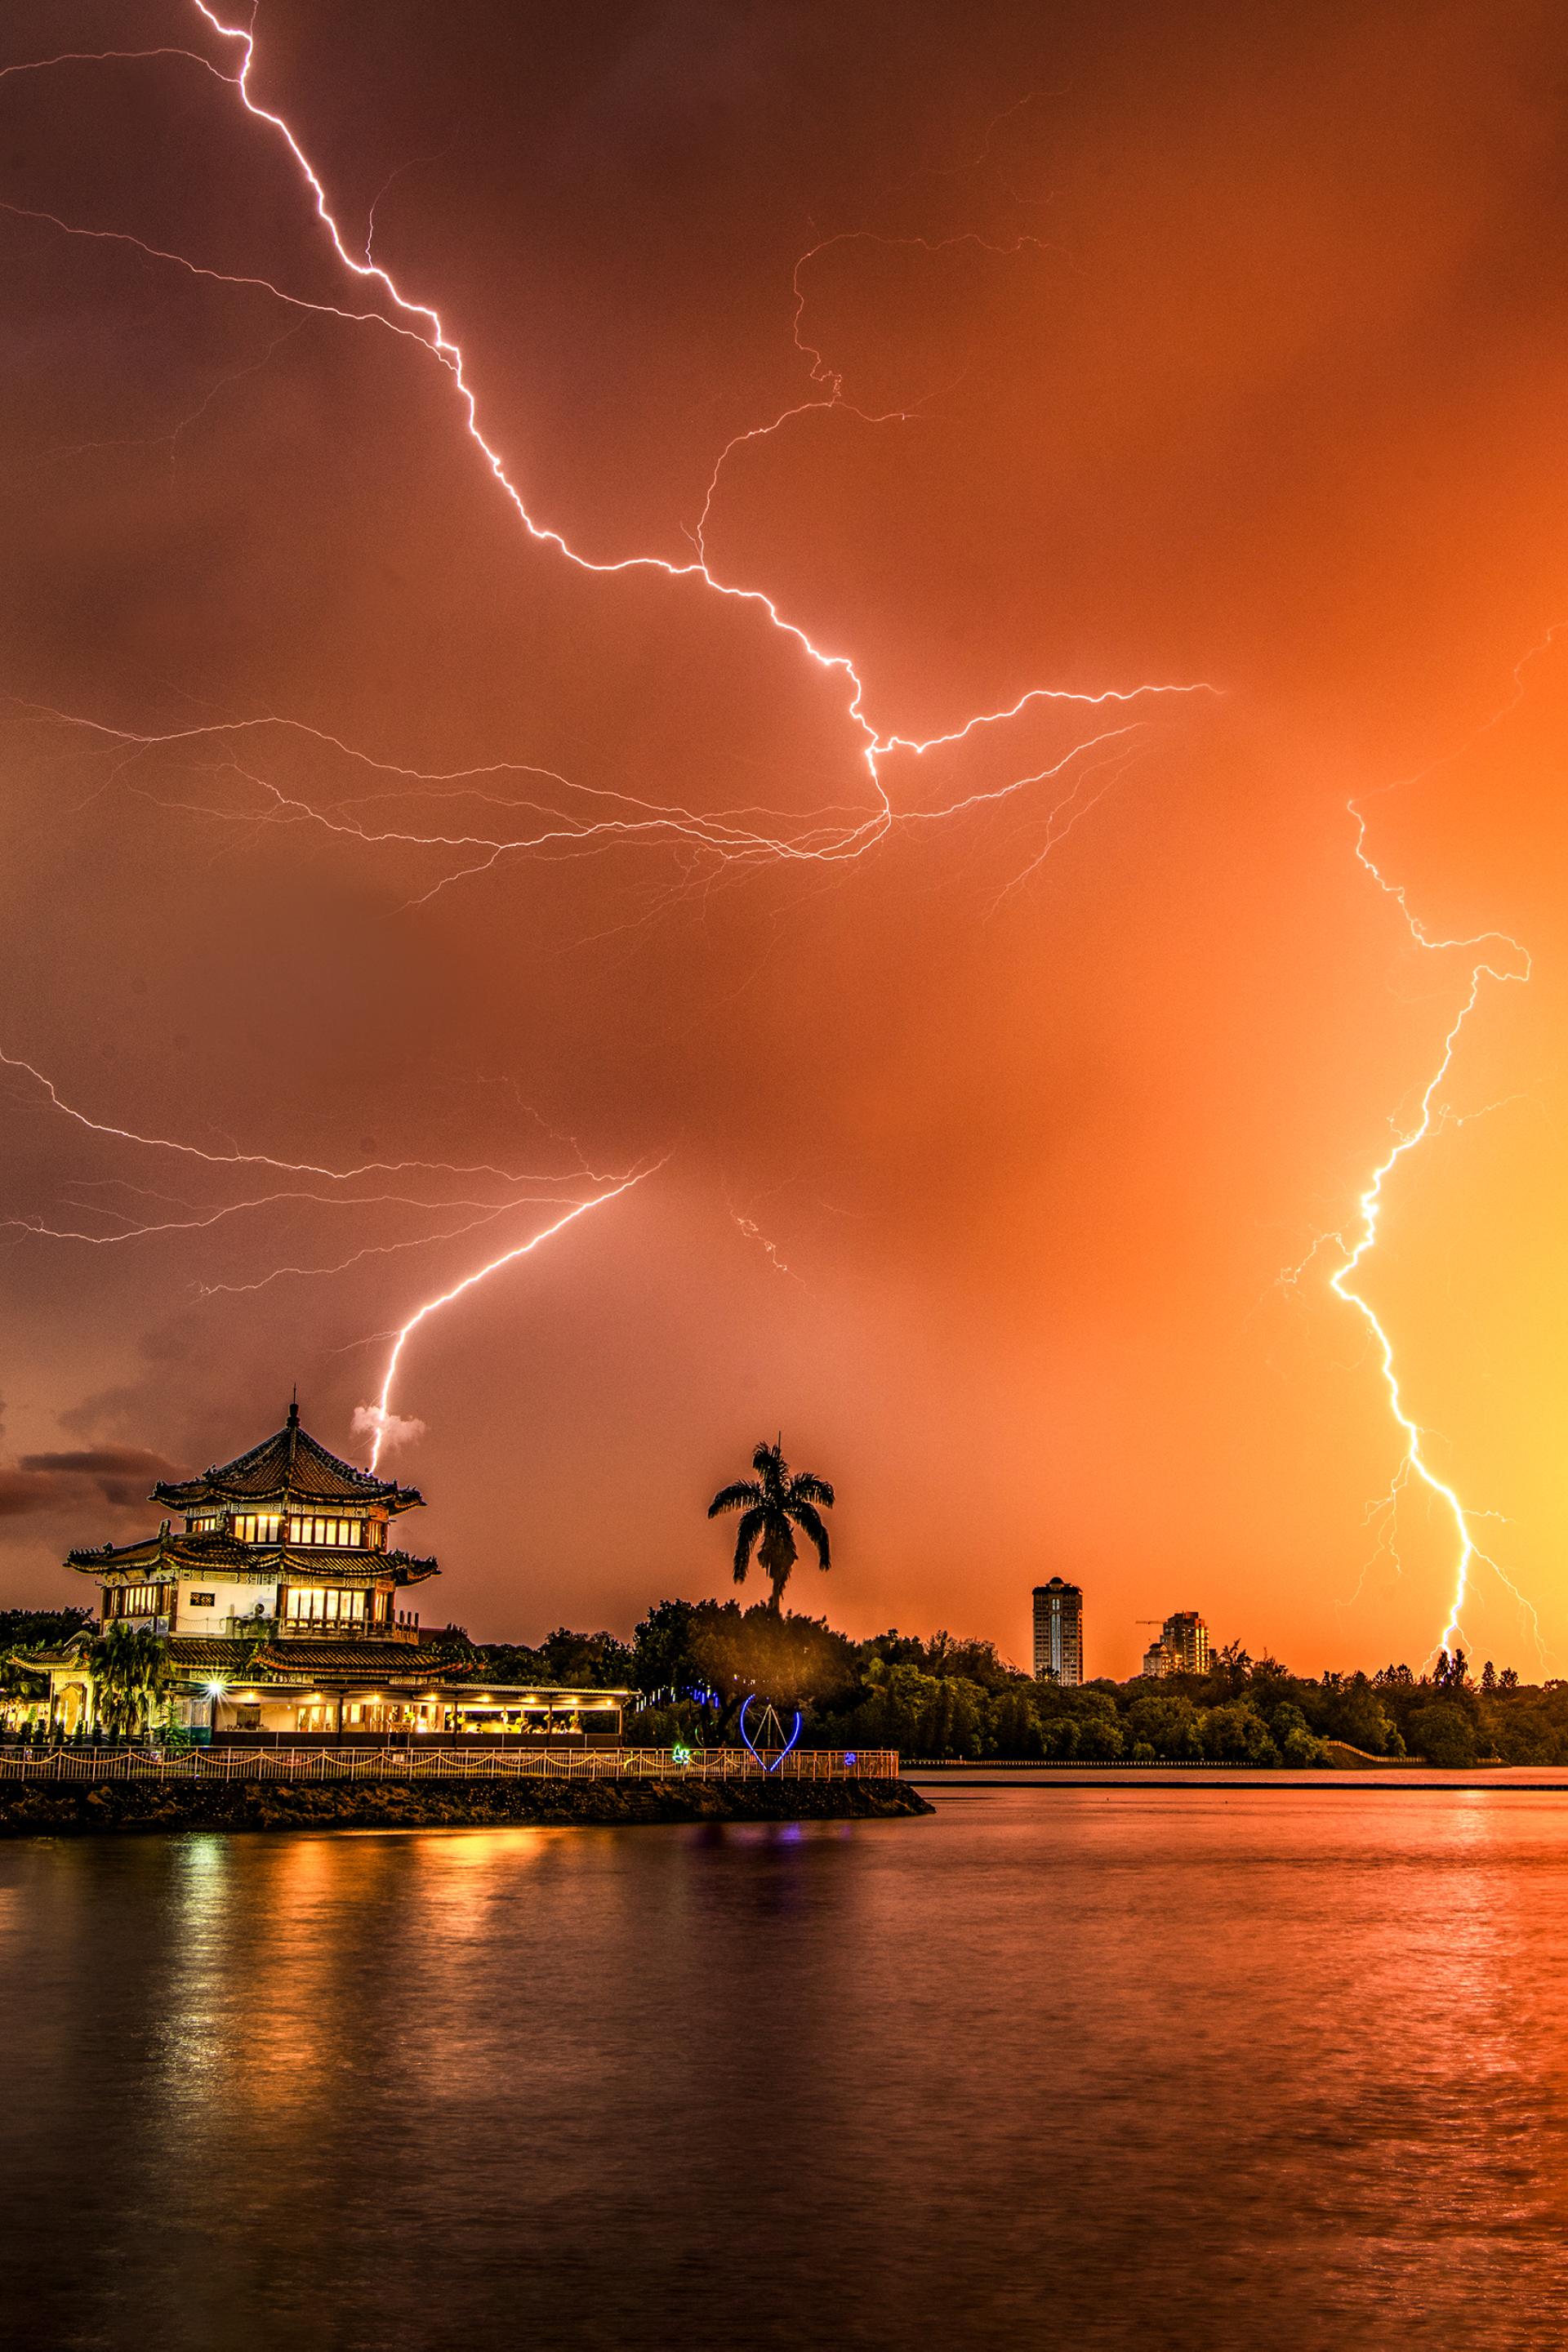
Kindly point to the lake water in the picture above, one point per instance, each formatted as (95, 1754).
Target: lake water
(1151, 2067)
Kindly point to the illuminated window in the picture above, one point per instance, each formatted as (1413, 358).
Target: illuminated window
(137, 1600)
(345, 1534)
(379, 1715)
(259, 1527)
(202, 1526)
(314, 1605)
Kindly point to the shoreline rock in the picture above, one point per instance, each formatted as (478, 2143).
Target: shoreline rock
(35, 1807)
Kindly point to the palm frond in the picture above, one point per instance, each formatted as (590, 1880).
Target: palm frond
(810, 1521)
(744, 1491)
(769, 1464)
(746, 1534)
(809, 1488)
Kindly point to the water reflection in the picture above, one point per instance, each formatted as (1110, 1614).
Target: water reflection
(1112, 2067)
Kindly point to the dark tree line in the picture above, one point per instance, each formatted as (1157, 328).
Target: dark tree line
(692, 1663)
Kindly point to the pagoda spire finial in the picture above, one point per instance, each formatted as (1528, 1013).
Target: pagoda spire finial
(294, 1406)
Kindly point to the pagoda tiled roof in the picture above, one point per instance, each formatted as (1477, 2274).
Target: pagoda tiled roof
(291, 1466)
(300, 1665)
(366, 1660)
(222, 1555)
(216, 1656)
(52, 1653)
(38, 1662)
(357, 1659)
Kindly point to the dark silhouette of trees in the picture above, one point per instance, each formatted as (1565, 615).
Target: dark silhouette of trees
(1444, 1734)
(699, 1661)
(771, 1505)
(569, 1660)
(36, 1629)
(694, 1662)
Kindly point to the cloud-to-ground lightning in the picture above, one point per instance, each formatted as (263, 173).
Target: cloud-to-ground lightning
(1414, 1462)
(379, 1415)
(521, 1189)
(1498, 958)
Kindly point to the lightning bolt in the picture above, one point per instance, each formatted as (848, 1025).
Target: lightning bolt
(380, 1413)
(204, 1220)
(1343, 1282)
(421, 324)
(1495, 957)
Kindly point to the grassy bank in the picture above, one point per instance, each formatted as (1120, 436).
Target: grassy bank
(52, 1808)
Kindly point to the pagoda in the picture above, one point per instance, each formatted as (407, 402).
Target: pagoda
(280, 1597)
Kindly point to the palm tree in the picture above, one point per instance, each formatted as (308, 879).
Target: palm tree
(772, 1505)
(130, 1667)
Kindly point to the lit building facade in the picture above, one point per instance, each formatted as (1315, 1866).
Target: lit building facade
(281, 1603)
(1183, 1647)
(1058, 1632)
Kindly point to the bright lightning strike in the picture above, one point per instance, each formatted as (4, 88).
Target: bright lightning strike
(375, 1419)
(379, 1415)
(1342, 1283)
(426, 326)
(421, 324)
(1496, 957)
(721, 838)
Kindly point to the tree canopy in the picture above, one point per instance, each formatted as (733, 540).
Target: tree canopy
(771, 1505)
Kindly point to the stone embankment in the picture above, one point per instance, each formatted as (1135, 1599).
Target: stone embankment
(52, 1808)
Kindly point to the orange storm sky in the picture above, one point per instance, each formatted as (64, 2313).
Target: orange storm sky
(1170, 347)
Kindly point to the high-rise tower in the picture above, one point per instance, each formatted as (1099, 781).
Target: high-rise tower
(1058, 1632)
(1183, 1647)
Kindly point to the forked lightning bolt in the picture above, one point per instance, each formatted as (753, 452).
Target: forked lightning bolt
(1497, 957)
(1342, 1284)
(723, 838)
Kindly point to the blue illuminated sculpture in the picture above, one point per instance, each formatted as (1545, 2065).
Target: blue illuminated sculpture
(769, 1719)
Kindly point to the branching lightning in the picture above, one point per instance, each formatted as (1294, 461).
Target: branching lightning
(576, 823)
(1499, 959)
(1415, 1462)
(562, 817)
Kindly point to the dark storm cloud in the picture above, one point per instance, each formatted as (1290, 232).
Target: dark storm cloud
(119, 1475)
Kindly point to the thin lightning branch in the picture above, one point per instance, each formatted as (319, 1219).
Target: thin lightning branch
(819, 369)
(108, 57)
(371, 1249)
(200, 269)
(205, 1222)
(261, 1158)
(735, 836)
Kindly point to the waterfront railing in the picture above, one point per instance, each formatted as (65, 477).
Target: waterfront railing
(72, 1763)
